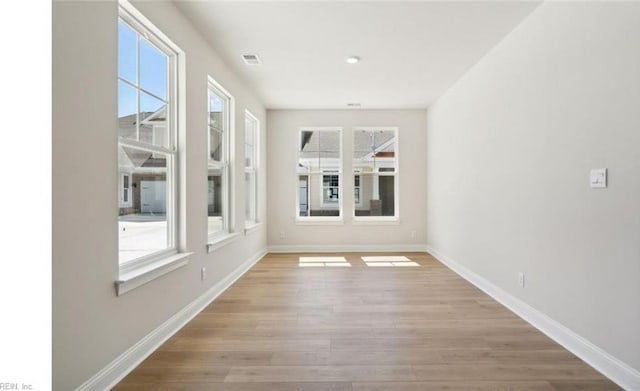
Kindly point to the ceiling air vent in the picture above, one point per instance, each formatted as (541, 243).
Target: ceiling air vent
(251, 59)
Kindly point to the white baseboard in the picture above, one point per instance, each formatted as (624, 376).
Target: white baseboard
(115, 371)
(616, 370)
(341, 248)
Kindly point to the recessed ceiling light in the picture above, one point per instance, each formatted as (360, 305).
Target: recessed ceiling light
(352, 59)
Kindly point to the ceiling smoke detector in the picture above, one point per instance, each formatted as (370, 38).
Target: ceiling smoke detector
(251, 59)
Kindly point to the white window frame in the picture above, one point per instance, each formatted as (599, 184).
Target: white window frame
(253, 124)
(396, 173)
(136, 272)
(226, 235)
(339, 171)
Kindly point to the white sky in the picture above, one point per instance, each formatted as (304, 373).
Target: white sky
(25, 289)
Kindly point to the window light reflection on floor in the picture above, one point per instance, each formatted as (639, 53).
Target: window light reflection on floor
(389, 261)
(323, 262)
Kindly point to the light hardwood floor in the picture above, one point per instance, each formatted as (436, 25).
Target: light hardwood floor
(285, 327)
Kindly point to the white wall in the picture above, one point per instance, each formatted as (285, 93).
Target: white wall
(510, 147)
(91, 325)
(281, 146)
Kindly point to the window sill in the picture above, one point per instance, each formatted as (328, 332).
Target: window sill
(319, 221)
(221, 241)
(378, 220)
(140, 276)
(251, 228)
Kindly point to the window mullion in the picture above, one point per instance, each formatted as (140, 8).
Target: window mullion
(146, 147)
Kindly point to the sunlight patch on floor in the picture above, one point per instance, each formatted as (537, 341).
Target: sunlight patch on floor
(323, 262)
(389, 261)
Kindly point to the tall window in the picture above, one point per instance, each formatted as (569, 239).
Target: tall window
(375, 170)
(147, 143)
(218, 176)
(251, 145)
(319, 173)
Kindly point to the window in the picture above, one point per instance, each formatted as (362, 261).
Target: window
(219, 198)
(375, 170)
(319, 174)
(147, 142)
(330, 189)
(125, 190)
(251, 145)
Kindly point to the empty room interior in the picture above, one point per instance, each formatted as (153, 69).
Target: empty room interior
(346, 196)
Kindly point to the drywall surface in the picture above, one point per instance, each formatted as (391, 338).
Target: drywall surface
(91, 325)
(509, 151)
(285, 233)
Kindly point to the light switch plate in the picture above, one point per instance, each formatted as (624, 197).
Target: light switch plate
(598, 178)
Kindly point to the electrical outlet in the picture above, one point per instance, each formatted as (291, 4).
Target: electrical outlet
(521, 279)
(413, 234)
(203, 273)
(282, 235)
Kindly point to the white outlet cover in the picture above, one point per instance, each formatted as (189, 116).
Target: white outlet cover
(598, 178)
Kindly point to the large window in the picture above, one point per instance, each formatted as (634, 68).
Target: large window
(375, 170)
(218, 176)
(251, 146)
(319, 173)
(147, 143)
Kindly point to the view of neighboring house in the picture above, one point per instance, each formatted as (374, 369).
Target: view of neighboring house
(142, 173)
(320, 172)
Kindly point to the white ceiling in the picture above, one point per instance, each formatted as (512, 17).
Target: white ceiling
(411, 51)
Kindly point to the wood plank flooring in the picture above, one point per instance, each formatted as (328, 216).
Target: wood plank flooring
(285, 327)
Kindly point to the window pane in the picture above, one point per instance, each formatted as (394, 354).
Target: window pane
(248, 156)
(215, 201)
(153, 121)
(303, 195)
(153, 70)
(329, 144)
(319, 150)
(385, 142)
(376, 195)
(362, 141)
(249, 130)
(127, 53)
(143, 227)
(318, 195)
(127, 109)
(249, 195)
(216, 110)
(319, 183)
(330, 189)
(308, 152)
(250, 149)
(373, 149)
(216, 146)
